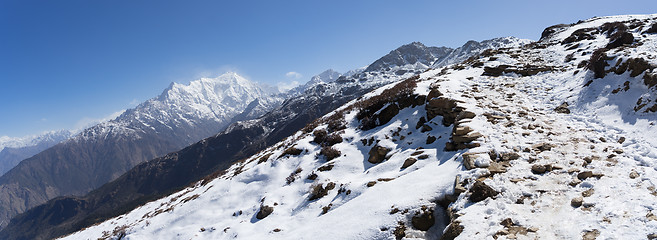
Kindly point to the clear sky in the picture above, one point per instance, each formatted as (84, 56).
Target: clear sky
(65, 62)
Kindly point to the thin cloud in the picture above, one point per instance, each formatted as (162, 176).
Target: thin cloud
(285, 86)
(87, 122)
(293, 75)
(133, 103)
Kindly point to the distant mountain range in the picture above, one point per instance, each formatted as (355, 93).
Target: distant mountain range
(14, 150)
(181, 115)
(160, 176)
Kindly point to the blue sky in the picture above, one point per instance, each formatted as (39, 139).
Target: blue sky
(66, 62)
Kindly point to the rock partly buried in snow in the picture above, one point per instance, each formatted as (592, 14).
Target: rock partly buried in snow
(508, 156)
(584, 175)
(563, 108)
(452, 231)
(576, 202)
(461, 130)
(319, 191)
(408, 163)
(634, 174)
(540, 169)
(264, 212)
(591, 235)
(378, 154)
(542, 147)
(471, 160)
(465, 115)
(423, 220)
(481, 191)
(458, 139)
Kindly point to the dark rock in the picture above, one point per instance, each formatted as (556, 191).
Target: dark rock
(420, 123)
(481, 191)
(652, 29)
(424, 220)
(652, 236)
(320, 136)
(312, 176)
(576, 202)
(618, 39)
(426, 128)
(319, 191)
(453, 230)
(466, 138)
(563, 108)
(325, 168)
(444, 107)
(598, 62)
(634, 174)
(408, 163)
(430, 139)
(508, 156)
(264, 212)
(388, 113)
(330, 153)
(584, 175)
(507, 222)
(378, 154)
(461, 130)
(400, 231)
(621, 140)
(542, 147)
(371, 183)
(465, 115)
(540, 169)
(292, 151)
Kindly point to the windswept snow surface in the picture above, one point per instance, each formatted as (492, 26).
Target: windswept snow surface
(586, 173)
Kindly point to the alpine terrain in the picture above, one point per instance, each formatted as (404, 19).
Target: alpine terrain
(181, 115)
(162, 176)
(550, 140)
(13, 150)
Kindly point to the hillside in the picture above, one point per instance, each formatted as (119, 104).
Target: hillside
(528, 142)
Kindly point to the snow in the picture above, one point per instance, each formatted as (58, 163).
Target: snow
(33, 140)
(603, 134)
(294, 214)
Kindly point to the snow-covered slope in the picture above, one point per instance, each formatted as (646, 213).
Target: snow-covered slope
(552, 140)
(181, 115)
(242, 139)
(15, 149)
(472, 48)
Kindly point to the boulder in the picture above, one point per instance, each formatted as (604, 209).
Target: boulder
(576, 202)
(480, 191)
(264, 212)
(409, 162)
(424, 220)
(563, 108)
(378, 154)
